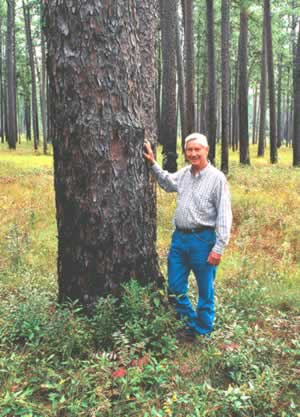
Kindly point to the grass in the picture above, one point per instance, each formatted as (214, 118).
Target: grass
(124, 361)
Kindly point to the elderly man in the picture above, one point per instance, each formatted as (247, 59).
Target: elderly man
(202, 229)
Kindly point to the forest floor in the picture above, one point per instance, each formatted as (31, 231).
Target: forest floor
(125, 361)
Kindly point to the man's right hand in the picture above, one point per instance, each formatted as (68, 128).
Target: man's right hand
(148, 153)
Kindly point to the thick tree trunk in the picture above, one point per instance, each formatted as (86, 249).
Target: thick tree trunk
(35, 120)
(168, 127)
(189, 66)
(272, 106)
(158, 87)
(105, 229)
(212, 119)
(296, 132)
(12, 130)
(243, 88)
(225, 84)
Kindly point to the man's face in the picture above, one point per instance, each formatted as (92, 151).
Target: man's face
(196, 154)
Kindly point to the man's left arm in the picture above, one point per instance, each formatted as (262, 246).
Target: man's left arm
(223, 221)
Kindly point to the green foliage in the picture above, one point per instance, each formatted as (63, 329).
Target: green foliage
(124, 360)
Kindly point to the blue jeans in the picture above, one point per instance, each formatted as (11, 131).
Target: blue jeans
(189, 252)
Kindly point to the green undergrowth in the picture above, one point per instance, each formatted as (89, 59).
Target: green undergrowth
(124, 360)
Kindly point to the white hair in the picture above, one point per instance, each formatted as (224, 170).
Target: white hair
(198, 138)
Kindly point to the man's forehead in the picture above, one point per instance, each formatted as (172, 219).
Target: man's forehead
(195, 144)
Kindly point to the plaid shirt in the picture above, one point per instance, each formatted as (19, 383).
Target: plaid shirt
(203, 199)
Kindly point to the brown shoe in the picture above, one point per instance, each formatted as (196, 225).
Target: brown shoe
(186, 335)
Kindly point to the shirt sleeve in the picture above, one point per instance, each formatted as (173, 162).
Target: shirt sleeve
(224, 216)
(167, 180)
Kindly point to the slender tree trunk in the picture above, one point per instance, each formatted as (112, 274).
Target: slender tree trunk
(254, 116)
(235, 105)
(272, 106)
(27, 117)
(168, 126)
(105, 232)
(12, 130)
(181, 83)
(296, 133)
(225, 84)
(35, 121)
(43, 82)
(212, 120)
(189, 66)
(243, 88)
(279, 93)
(262, 98)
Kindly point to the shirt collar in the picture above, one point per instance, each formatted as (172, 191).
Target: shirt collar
(202, 172)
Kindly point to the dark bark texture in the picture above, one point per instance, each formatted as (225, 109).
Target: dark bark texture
(12, 131)
(106, 234)
(262, 98)
(189, 66)
(35, 120)
(225, 85)
(168, 127)
(211, 110)
(272, 106)
(243, 88)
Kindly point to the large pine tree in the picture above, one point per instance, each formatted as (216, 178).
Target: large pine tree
(106, 232)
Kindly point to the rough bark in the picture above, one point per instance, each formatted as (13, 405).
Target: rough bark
(212, 117)
(35, 120)
(168, 127)
(189, 66)
(243, 88)
(296, 132)
(225, 84)
(105, 232)
(272, 106)
(12, 130)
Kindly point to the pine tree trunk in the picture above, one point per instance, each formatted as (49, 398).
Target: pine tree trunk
(105, 229)
(262, 98)
(272, 106)
(279, 115)
(243, 88)
(296, 132)
(225, 84)
(168, 127)
(35, 121)
(27, 117)
(189, 66)
(211, 119)
(43, 82)
(12, 130)
(181, 84)
(254, 116)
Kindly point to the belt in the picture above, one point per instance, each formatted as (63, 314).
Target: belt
(197, 229)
